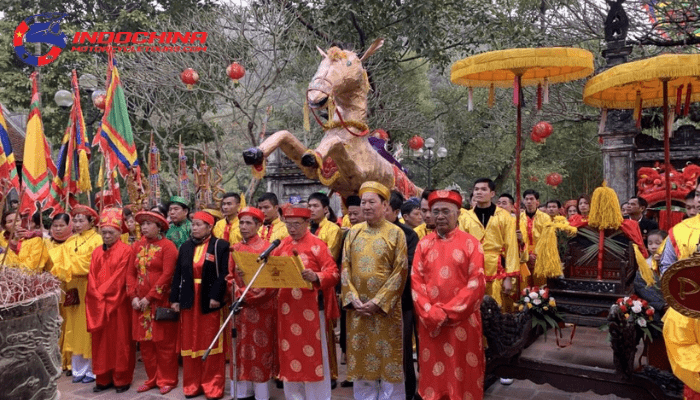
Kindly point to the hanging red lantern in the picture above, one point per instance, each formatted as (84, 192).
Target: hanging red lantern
(541, 131)
(99, 101)
(235, 71)
(554, 179)
(416, 142)
(189, 77)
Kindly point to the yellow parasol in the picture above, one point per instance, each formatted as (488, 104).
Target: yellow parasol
(646, 83)
(522, 67)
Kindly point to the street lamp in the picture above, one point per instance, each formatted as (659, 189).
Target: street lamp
(63, 98)
(426, 157)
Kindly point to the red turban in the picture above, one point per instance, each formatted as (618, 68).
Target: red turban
(253, 212)
(204, 216)
(445, 195)
(112, 217)
(297, 212)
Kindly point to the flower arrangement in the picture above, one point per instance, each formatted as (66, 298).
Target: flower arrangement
(541, 307)
(638, 312)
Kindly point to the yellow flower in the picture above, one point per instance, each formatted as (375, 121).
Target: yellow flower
(521, 308)
(552, 303)
(545, 308)
(529, 305)
(627, 316)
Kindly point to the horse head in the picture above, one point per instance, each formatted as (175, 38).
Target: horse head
(341, 83)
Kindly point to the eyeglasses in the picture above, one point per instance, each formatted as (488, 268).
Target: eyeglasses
(444, 212)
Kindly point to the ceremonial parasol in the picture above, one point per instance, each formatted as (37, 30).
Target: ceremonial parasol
(646, 83)
(522, 67)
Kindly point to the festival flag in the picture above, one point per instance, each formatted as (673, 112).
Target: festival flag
(36, 162)
(8, 168)
(115, 138)
(154, 177)
(73, 174)
(57, 191)
(184, 179)
(80, 147)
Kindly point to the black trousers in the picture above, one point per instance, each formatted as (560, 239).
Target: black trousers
(409, 371)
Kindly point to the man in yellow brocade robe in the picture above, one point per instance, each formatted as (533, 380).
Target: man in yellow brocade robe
(532, 222)
(320, 226)
(428, 224)
(495, 229)
(374, 273)
(681, 333)
(273, 228)
(71, 264)
(227, 227)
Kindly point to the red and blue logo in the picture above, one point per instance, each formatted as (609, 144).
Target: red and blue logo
(40, 28)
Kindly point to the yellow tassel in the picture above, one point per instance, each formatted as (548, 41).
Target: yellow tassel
(644, 268)
(84, 184)
(548, 263)
(242, 203)
(492, 95)
(307, 124)
(605, 209)
(101, 175)
(331, 109)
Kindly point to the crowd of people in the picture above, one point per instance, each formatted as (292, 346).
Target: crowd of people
(390, 272)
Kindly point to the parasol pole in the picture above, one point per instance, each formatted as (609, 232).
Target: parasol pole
(667, 154)
(518, 148)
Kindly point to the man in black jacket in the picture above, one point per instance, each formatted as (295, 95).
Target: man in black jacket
(392, 215)
(198, 291)
(637, 206)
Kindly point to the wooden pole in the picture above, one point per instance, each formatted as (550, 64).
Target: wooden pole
(518, 148)
(667, 155)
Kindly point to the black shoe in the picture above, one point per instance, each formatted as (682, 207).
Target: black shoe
(69, 372)
(122, 389)
(334, 384)
(345, 384)
(279, 384)
(102, 388)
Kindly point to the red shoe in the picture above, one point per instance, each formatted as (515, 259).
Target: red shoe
(166, 389)
(145, 388)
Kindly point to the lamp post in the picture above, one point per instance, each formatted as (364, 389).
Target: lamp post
(427, 158)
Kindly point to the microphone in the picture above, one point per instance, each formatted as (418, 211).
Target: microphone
(267, 251)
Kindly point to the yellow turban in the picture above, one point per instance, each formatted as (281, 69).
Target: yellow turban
(375, 187)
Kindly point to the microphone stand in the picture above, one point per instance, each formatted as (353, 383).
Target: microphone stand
(235, 308)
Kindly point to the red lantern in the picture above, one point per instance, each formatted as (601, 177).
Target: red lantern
(541, 131)
(235, 71)
(99, 102)
(189, 77)
(554, 179)
(416, 142)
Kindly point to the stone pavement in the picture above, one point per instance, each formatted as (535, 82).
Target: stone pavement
(520, 389)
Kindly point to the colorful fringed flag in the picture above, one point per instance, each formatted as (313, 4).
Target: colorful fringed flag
(184, 179)
(154, 177)
(80, 172)
(115, 138)
(8, 168)
(73, 174)
(57, 190)
(36, 162)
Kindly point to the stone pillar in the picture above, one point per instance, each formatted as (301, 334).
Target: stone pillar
(618, 136)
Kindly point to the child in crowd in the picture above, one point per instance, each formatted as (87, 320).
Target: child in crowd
(652, 293)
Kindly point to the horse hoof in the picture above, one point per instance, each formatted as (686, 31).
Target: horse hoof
(253, 156)
(308, 160)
